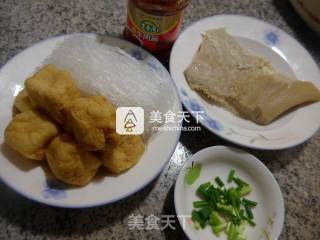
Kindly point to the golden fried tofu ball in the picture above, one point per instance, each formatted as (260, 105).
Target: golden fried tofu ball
(51, 90)
(22, 101)
(89, 119)
(121, 152)
(29, 133)
(70, 163)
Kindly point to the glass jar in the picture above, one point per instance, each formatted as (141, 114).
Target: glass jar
(155, 24)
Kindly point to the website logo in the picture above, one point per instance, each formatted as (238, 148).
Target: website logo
(130, 120)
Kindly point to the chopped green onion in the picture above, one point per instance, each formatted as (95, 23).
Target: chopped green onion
(224, 209)
(270, 220)
(193, 174)
(249, 212)
(196, 218)
(205, 213)
(219, 182)
(200, 204)
(252, 223)
(241, 229)
(227, 209)
(220, 191)
(215, 219)
(203, 193)
(241, 213)
(266, 234)
(219, 228)
(249, 203)
(244, 190)
(240, 182)
(232, 232)
(234, 197)
(214, 195)
(231, 175)
(196, 225)
(203, 190)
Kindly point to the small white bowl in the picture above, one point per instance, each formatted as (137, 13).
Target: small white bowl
(218, 161)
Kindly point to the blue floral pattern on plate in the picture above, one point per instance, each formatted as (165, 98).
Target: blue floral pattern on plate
(153, 65)
(183, 92)
(137, 54)
(271, 37)
(212, 123)
(54, 189)
(142, 55)
(194, 105)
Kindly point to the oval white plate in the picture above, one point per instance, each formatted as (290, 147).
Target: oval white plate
(285, 53)
(29, 178)
(218, 161)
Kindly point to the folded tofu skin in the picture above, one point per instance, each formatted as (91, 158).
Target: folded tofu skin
(230, 76)
(29, 133)
(22, 101)
(69, 162)
(89, 118)
(121, 152)
(51, 90)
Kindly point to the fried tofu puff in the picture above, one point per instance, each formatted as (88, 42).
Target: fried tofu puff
(121, 152)
(51, 90)
(69, 162)
(29, 133)
(90, 118)
(22, 101)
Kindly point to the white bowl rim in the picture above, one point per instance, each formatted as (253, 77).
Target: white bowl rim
(257, 161)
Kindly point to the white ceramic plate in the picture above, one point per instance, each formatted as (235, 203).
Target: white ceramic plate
(34, 182)
(284, 52)
(218, 161)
